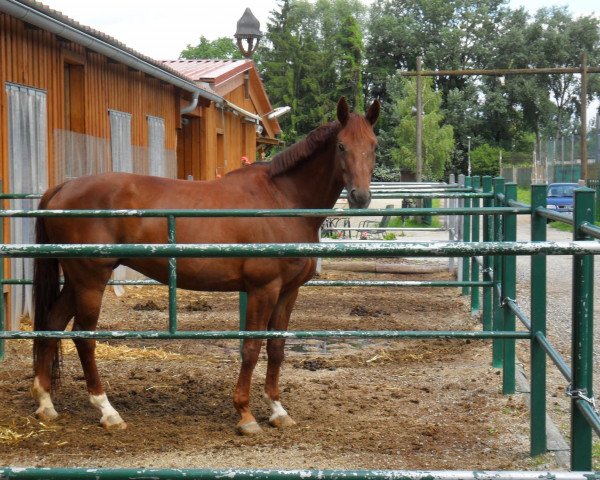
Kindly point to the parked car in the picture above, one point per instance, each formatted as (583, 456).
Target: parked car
(560, 196)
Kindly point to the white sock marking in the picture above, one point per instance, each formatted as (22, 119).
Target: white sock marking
(276, 408)
(43, 397)
(109, 415)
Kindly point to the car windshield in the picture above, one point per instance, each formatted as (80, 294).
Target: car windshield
(561, 190)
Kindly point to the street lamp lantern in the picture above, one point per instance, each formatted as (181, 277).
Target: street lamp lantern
(469, 156)
(248, 34)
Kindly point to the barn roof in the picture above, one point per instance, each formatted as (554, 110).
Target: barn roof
(198, 76)
(219, 75)
(214, 72)
(32, 11)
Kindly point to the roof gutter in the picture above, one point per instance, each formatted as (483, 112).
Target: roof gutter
(46, 22)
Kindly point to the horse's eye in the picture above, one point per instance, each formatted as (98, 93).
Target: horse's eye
(341, 147)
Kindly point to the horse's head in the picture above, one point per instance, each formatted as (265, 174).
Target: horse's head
(355, 152)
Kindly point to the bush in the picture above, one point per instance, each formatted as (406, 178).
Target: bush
(385, 173)
(485, 160)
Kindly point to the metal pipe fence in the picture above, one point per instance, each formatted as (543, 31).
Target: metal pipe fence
(495, 221)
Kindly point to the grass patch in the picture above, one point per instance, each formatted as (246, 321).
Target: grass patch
(524, 195)
(416, 222)
(563, 227)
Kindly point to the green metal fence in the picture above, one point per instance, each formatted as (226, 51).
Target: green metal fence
(499, 307)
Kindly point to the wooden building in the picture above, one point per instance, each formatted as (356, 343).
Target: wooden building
(75, 101)
(241, 121)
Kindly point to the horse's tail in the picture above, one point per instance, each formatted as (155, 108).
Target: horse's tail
(46, 288)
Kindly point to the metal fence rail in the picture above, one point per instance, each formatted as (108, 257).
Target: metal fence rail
(254, 474)
(495, 222)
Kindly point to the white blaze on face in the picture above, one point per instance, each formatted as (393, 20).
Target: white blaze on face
(276, 408)
(46, 408)
(109, 415)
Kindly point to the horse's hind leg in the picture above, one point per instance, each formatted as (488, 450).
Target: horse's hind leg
(46, 354)
(89, 301)
(275, 350)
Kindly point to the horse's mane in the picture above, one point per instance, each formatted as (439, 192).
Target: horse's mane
(300, 151)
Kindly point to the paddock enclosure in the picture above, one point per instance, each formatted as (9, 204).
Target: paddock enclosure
(422, 394)
(361, 404)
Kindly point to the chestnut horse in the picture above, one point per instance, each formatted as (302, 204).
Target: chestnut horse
(309, 174)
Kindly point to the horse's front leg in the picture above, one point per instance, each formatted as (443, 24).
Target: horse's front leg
(260, 305)
(89, 302)
(88, 278)
(275, 350)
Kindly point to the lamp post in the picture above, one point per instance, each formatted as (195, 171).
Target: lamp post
(468, 156)
(248, 30)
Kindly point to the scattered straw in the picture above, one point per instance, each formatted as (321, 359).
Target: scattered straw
(27, 428)
(123, 352)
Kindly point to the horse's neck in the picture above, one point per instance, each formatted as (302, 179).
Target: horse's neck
(314, 183)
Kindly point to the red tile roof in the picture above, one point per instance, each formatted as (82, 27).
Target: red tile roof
(209, 71)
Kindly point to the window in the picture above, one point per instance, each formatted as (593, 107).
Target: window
(156, 147)
(120, 141)
(28, 173)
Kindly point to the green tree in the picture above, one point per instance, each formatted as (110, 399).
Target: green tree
(350, 42)
(438, 139)
(485, 160)
(451, 34)
(222, 48)
(304, 62)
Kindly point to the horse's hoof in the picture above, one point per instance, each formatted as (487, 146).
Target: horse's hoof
(248, 429)
(282, 421)
(113, 422)
(46, 414)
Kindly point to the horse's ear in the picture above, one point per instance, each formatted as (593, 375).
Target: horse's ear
(342, 111)
(373, 112)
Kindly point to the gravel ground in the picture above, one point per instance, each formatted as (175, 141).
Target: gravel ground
(559, 282)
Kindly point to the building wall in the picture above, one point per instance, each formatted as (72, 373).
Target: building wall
(213, 141)
(35, 58)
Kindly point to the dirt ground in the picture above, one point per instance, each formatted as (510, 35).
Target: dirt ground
(358, 404)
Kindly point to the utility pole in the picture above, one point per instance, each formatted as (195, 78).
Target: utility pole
(419, 118)
(583, 114)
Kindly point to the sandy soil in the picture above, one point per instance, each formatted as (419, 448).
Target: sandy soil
(408, 404)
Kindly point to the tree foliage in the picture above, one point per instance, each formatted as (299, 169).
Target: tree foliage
(314, 51)
(438, 139)
(312, 55)
(221, 48)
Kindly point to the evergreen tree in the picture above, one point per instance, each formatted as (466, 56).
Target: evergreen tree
(438, 139)
(350, 63)
(305, 63)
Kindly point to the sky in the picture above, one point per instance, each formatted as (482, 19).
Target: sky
(162, 29)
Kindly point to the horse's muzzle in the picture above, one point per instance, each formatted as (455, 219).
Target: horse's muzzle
(359, 198)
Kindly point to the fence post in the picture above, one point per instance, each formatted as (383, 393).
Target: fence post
(538, 442)
(476, 183)
(497, 318)
(459, 230)
(488, 224)
(451, 222)
(509, 292)
(243, 306)
(466, 221)
(172, 278)
(582, 339)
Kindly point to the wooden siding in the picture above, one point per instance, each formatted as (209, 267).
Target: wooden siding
(36, 58)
